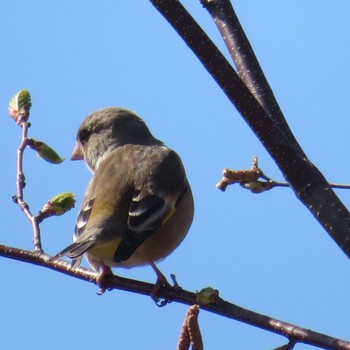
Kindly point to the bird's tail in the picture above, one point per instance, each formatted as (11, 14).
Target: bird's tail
(75, 252)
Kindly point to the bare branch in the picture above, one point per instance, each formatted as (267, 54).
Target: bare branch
(176, 294)
(249, 179)
(308, 183)
(21, 183)
(247, 64)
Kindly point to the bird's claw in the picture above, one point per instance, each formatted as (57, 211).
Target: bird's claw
(102, 278)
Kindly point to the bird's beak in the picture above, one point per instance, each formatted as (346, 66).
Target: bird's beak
(77, 152)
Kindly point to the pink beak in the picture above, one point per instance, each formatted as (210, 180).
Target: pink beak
(77, 152)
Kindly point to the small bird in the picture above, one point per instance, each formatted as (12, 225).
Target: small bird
(138, 206)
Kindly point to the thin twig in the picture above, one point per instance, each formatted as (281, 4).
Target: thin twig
(21, 183)
(288, 346)
(20, 180)
(220, 307)
(248, 178)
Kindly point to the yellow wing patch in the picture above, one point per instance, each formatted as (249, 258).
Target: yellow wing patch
(104, 252)
(169, 216)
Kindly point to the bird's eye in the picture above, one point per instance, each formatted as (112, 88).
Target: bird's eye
(84, 135)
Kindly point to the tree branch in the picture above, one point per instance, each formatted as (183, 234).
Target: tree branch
(307, 182)
(176, 294)
(247, 64)
(21, 183)
(249, 179)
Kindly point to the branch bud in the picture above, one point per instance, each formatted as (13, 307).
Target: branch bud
(58, 205)
(19, 106)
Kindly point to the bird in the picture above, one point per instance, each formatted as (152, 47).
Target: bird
(138, 206)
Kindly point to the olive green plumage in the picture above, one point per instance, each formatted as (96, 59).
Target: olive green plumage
(138, 206)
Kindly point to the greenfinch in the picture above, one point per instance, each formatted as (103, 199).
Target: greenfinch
(138, 206)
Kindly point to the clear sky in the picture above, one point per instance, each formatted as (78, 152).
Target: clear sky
(263, 252)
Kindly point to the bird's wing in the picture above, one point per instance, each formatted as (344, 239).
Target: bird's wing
(83, 218)
(78, 248)
(147, 213)
(154, 201)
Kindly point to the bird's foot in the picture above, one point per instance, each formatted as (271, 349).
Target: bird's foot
(161, 283)
(102, 278)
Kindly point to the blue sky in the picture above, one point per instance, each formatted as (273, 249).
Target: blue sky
(263, 252)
